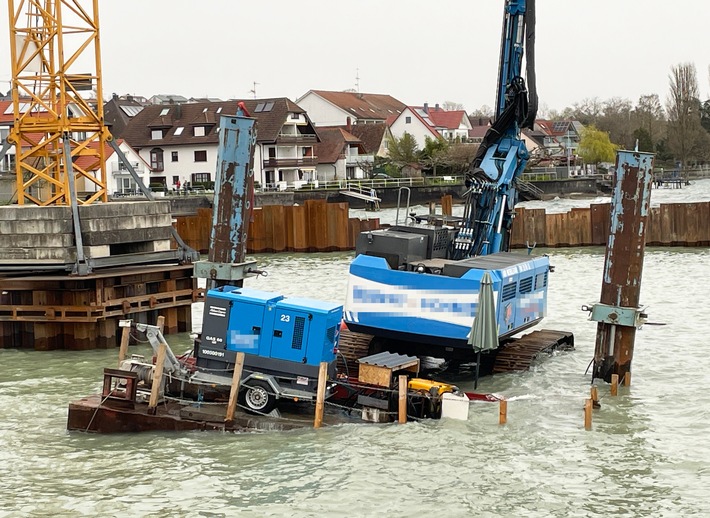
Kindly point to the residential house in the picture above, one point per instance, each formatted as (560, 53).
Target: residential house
(423, 122)
(204, 100)
(180, 141)
(119, 111)
(453, 125)
(415, 121)
(118, 179)
(7, 119)
(326, 108)
(560, 138)
(375, 138)
(167, 99)
(341, 155)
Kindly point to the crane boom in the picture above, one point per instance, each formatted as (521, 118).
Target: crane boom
(502, 156)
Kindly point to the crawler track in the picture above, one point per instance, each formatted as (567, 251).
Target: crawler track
(519, 354)
(352, 346)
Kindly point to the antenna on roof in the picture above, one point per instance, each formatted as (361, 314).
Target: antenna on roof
(357, 80)
(253, 90)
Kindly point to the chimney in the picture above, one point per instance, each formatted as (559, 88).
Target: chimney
(349, 124)
(129, 97)
(426, 107)
(114, 96)
(436, 107)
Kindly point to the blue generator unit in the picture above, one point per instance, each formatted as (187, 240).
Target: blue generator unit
(283, 337)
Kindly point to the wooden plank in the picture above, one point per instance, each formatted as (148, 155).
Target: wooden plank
(375, 375)
(234, 389)
(320, 394)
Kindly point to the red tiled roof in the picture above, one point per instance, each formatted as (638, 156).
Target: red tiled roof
(446, 119)
(6, 118)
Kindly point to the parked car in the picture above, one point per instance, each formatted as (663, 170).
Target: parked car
(381, 176)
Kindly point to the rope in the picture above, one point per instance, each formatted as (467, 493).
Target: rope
(96, 412)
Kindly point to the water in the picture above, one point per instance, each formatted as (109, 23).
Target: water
(647, 455)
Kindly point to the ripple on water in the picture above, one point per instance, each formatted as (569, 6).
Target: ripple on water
(647, 455)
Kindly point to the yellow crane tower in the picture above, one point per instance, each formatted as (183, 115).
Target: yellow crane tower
(55, 55)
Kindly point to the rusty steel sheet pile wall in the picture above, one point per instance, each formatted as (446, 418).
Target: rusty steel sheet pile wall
(677, 224)
(316, 226)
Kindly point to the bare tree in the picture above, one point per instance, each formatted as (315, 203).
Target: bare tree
(484, 112)
(686, 136)
(451, 106)
(649, 116)
(589, 111)
(616, 120)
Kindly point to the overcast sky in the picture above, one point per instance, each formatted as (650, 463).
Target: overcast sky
(417, 51)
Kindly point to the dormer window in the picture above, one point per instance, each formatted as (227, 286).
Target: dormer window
(156, 134)
(199, 131)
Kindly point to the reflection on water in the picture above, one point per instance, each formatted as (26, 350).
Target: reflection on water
(647, 455)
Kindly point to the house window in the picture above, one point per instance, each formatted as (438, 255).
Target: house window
(178, 131)
(407, 120)
(294, 116)
(156, 134)
(200, 156)
(173, 156)
(201, 178)
(156, 159)
(199, 131)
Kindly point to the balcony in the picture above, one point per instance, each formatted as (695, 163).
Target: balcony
(291, 162)
(283, 138)
(120, 168)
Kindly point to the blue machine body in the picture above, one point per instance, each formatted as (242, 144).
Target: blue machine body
(439, 309)
(267, 325)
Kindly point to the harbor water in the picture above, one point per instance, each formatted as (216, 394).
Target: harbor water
(648, 453)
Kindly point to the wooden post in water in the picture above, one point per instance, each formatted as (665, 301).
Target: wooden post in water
(320, 395)
(156, 387)
(125, 337)
(447, 205)
(503, 411)
(618, 314)
(594, 394)
(614, 384)
(161, 323)
(402, 398)
(234, 390)
(588, 414)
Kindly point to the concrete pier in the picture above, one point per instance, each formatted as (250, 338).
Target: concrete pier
(133, 271)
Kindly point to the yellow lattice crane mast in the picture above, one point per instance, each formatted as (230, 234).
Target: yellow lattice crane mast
(59, 135)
